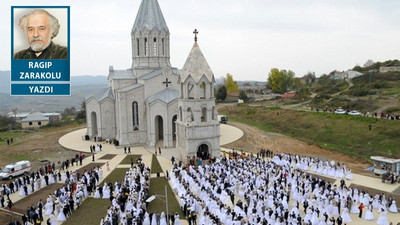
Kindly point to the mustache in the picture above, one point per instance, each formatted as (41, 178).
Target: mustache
(36, 39)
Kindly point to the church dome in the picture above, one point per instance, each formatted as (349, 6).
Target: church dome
(149, 17)
(196, 66)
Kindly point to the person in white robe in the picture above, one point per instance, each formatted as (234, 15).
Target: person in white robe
(382, 220)
(393, 207)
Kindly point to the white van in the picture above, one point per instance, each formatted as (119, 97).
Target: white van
(15, 169)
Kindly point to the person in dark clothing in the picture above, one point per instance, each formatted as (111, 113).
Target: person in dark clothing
(2, 200)
(10, 204)
(339, 220)
(24, 219)
(332, 221)
(360, 207)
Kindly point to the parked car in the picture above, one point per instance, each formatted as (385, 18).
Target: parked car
(340, 111)
(15, 169)
(354, 113)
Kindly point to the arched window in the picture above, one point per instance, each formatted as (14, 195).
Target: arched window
(137, 46)
(190, 117)
(155, 46)
(146, 46)
(180, 113)
(135, 115)
(204, 114)
(213, 113)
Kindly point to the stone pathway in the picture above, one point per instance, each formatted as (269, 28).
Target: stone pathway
(75, 141)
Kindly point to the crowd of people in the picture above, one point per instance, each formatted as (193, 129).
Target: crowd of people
(46, 175)
(129, 205)
(237, 189)
(278, 191)
(61, 199)
(62, 202)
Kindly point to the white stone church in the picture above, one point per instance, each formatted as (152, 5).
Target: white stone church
(154, 104)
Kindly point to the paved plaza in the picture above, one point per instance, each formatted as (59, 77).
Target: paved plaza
(75, 141)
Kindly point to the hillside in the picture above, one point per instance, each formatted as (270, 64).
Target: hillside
(81, 86)
(341, 133)
(373, 92)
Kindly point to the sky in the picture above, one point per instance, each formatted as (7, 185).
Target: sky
(243, 38)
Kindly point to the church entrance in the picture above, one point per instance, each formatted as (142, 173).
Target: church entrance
(174, 118)
(159, 128)
(202, 152)
(94, 123)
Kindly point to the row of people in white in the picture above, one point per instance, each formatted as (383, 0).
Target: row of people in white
(262, 185)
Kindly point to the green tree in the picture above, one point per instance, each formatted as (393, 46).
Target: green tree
(82, 113)
(7, 122)
(230, 85)
(280, 80)
(310, 77)
(221, 93)
(243, 95)
(296, 83)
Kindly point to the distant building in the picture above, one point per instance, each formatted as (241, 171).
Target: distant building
(288, 95)
(232, 97)
(336, 75)
(52, 116)
(392, 67)
(307, 79)
(350, 74)
(253, 88)
(19, 117)
(32, 121)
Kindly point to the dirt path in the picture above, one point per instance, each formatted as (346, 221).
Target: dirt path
(254, 139)
(388, 105)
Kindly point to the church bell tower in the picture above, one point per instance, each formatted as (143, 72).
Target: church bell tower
(197, 124)
(150, 37)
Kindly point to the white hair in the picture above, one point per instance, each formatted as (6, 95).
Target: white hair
(54, 25)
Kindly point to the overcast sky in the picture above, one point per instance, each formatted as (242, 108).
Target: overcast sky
(244, 38)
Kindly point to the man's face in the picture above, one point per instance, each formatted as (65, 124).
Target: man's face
(38, 31)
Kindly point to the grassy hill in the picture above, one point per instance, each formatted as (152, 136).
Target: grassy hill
(81, 86)
(342, 133)
(372, 92)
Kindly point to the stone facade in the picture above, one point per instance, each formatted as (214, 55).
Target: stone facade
(198, 126)
(140, 105)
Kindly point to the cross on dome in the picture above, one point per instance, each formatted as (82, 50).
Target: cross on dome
(195, 32)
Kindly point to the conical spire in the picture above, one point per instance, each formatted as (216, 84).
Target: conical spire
(196, 66)
(149, 16)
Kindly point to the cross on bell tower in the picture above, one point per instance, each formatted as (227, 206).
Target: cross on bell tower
(195, 32)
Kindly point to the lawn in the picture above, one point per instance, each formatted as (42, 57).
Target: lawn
(157, 187)
(155, 165)
(117, 174)
(90, 212)
(15, 135)
(127, 159)
(342, 133)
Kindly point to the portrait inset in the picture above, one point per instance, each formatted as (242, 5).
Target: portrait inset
(42, 33)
